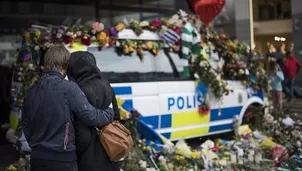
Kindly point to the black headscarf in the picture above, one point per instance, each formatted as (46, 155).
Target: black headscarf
(84, 71)
(82, 68)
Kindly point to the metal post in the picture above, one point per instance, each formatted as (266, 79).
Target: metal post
(252, 38)
(97, 9)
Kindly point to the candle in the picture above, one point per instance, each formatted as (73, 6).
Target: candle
(233, 159)
(251, 157)
(223, 162)
(240, 160)
(258, 157)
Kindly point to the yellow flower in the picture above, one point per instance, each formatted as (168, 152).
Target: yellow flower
(195, 155)
(11, 168)
(120, 27)
(103, 39)
(37, 34)
(155, 51)
(120, 101)
(244, 130)
(268, 144)
(126, 49)
(149, 45)
(179, 157)
(27, 37)
(149, 148)
(124, 114)
(131, 49)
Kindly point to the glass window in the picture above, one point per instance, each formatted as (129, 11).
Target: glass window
(169, 67)
(152, 15)
(126, 3)
(105, 18)
(273, 9)
(161, 4)
(122, 69)
(119, 16)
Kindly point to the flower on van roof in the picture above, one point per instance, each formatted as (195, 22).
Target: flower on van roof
(114, 31)
(120, 27)
(103, 39)
(149, 45)
(144, 24)
(96, 27)
(177, 30)
(155, 24)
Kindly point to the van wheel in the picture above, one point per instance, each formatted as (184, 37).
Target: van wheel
(253, 116)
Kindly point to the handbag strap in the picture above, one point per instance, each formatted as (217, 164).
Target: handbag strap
(98, 131)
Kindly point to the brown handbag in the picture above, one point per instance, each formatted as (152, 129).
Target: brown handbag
(116, 139)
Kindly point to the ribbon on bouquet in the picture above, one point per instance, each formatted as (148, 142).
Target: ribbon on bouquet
(191, 39)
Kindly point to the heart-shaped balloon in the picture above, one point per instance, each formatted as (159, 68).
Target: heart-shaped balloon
(207, 10)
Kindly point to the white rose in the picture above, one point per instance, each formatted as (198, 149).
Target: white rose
(59, 35)
(144, 24)
(161, 158)
(69, 34)
(182, 13)
(202, 63)
(298, 144)
(118, 44)
(37, 48)
(196, 76)
(241, 72)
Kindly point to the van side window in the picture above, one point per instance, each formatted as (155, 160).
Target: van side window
(170, 67)
(124, 69)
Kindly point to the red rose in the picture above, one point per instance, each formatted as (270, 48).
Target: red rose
(86, 40)
(203, 110)
(215, 149)
(67, 39)
(177, 30)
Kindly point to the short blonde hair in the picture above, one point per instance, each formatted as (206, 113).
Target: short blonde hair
(56, 58)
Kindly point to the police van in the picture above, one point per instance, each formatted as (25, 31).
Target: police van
(167, 100)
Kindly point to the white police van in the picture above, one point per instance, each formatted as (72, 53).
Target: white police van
(168, 101)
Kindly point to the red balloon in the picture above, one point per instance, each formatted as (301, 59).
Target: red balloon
(207, 10)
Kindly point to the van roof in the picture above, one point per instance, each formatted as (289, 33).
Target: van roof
(129, 34)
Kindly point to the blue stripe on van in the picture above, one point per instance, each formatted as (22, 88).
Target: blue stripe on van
(166, 121)
(167, 135)
(128, 105)
(151, 120)
(220, 127)
(226, 113)
(123, 90)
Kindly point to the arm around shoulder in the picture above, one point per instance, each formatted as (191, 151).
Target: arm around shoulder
(83, 110)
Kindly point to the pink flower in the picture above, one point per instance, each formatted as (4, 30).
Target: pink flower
(97, 27)
(177, 30)
(79, 33)
(156, 23)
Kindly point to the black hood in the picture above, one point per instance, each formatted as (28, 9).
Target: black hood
(82, 68)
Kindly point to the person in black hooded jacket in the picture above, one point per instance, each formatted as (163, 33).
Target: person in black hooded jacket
(90, 152)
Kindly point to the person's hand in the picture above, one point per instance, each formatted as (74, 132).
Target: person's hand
(277, 68)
